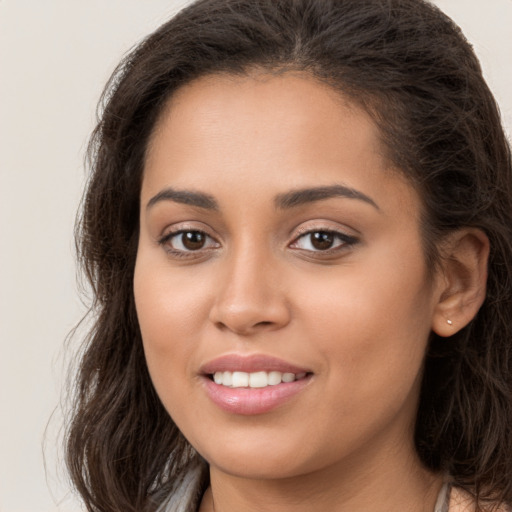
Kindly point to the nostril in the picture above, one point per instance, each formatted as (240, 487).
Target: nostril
(263, 324)
(248, 317)
(246, 328)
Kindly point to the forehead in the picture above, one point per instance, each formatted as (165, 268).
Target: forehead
(274, 107)
(261, 129)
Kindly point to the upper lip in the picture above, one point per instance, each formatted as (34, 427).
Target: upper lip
(249, 364)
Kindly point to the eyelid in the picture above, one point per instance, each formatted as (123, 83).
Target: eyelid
(348, 240)
(325, 226)
(175, 231)
(183, 227)
(171, 234)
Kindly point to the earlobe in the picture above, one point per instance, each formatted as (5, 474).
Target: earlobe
(462, 280)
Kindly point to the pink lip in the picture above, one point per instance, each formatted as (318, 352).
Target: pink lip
(251, 401)
(252, 363)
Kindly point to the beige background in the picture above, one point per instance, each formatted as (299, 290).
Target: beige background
(55, 56)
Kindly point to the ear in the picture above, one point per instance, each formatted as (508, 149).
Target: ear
(462, 280)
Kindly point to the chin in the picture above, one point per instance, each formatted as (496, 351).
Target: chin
(264, 461)
(254, 468)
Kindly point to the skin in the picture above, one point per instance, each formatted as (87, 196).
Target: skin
(357, 316)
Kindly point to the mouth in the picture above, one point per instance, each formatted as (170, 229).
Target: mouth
(253, 384)
(259, 379)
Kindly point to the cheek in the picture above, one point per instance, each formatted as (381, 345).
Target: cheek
(171, 313)
(372, 326)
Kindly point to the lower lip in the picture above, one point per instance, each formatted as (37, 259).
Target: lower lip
(250, 401)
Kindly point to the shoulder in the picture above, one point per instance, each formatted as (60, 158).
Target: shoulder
(462, 501)
(187, 490)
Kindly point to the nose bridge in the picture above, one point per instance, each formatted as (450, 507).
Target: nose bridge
(250, 297)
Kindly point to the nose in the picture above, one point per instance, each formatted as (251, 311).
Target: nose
(251, 298)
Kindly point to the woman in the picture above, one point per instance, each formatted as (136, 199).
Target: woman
(298, 230)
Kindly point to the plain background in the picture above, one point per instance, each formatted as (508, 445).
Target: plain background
(55, 56)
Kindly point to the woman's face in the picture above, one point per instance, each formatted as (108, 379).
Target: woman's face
(280, 282)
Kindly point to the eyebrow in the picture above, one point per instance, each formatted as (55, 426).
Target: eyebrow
(188, 197)
(310, 195)
(282, 201)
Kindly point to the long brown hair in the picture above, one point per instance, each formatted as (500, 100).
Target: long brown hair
(415, 73)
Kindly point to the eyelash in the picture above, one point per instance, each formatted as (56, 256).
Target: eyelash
(180, 253)
(344, 242)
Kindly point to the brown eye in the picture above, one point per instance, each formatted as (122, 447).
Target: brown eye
(193, 240)
(322, 240)
(318, 241)
(182, 242)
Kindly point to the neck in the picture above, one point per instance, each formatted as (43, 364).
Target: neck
(384, 487)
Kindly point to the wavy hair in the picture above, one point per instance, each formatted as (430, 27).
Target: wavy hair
(412, 69)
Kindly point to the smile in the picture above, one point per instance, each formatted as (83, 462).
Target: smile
(261, 379)
(253, 384)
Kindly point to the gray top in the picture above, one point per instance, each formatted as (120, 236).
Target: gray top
(186, 494)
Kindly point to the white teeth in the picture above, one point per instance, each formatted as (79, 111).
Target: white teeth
(255, 379)
(240, 380)
(227, 379)
(258, 380)
(274, 378)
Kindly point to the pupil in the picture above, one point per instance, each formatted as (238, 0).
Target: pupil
(193, 240)
(322, 240)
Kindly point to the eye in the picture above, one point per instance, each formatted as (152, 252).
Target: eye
(323, 240)
(186, 241)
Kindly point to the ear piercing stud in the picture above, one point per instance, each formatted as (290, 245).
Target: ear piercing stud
(449, 322)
